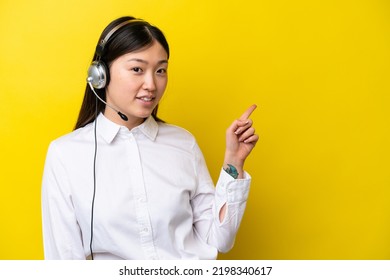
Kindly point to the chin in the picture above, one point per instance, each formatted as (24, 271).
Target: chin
(144, 115)
(140, 113)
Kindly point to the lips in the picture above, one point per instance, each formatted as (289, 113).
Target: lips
(146, 98)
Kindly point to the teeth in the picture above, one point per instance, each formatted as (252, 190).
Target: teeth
(146, 98)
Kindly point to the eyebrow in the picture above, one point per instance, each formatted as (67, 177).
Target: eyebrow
(145, 62)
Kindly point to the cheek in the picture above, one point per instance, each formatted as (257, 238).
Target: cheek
(162, 84)
(125, 83)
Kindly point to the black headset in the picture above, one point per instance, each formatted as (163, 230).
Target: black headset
(98, 78)
(98, 72)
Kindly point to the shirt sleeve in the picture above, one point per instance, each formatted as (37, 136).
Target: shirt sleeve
(61, 233)
(208, 202)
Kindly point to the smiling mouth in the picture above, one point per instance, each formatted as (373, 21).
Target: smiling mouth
(146, 99)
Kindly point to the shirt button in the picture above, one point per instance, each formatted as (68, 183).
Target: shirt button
(142, 199)
(146, 230)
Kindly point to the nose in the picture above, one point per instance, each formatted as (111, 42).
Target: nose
(149, 82)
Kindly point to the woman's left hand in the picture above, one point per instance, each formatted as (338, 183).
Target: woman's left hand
(240, 140)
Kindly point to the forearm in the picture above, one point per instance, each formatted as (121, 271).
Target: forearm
(234, 170)
(230, 202)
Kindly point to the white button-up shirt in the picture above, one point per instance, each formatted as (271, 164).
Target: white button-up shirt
(154, 196)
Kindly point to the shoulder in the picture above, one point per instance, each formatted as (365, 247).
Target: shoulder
(174, 132)
(70, 141)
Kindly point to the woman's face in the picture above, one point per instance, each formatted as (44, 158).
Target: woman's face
(137, 83)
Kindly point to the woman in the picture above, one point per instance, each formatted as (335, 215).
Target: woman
(125, 185)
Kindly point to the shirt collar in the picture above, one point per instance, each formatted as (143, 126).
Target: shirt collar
(109, 130)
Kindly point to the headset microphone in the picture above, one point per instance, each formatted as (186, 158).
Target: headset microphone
(123, 116)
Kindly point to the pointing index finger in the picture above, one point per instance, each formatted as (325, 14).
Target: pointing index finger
(248, 112)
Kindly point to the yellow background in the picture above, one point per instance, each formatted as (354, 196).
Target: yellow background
(319, 71)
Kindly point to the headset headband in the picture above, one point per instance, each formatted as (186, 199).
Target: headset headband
(103, 42)
(98, 72)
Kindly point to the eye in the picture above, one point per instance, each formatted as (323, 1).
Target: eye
(162, 71)
(136, 69)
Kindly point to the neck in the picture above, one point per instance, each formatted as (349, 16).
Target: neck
(114, 117)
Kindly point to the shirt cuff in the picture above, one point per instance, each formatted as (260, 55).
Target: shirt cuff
(232, 190)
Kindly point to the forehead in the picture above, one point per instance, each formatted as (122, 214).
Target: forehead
(154, 51)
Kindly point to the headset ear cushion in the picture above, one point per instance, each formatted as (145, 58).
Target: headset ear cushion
(98, 74)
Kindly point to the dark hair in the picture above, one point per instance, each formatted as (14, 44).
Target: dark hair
(131, 37)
